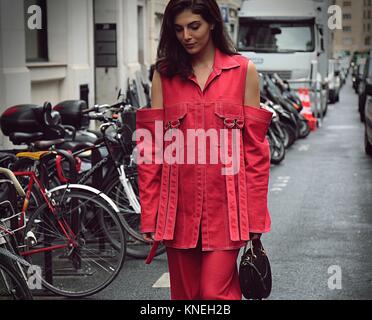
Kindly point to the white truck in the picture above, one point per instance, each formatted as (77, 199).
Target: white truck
(289, 37)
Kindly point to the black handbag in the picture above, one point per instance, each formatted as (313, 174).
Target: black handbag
(255, 272)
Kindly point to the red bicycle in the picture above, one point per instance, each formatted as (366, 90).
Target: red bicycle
(73, 233)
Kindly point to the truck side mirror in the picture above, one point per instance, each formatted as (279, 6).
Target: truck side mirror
(321, 38)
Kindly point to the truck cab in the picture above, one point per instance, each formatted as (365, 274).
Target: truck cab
(284, 36)
(289, 37)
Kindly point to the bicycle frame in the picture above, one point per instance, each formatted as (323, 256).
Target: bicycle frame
(117, 165)
(67, 231)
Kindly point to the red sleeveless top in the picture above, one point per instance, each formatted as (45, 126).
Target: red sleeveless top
(197, 200)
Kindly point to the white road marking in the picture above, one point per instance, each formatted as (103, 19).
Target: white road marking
(342, 127)
(305, 147)
(280, 185)
(163, 281)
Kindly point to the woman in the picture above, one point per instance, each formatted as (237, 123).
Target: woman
(201, 213)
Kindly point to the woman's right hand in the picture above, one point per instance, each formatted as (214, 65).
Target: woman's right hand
(149, 236)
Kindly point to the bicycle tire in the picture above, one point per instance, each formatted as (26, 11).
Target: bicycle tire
(12, 284)
(73, 273)
(137, 247)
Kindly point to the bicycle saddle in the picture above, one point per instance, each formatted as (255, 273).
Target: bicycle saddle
(46, 144)
(75, 145)
(32, 155)
(22, 137)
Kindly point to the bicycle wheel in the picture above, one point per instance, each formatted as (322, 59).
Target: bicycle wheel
(137, 247)
(85, 261)
(12, 284)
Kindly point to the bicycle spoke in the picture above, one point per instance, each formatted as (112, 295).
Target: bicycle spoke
(96, 255)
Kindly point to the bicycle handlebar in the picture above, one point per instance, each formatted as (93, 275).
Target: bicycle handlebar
(98, 108)
(14, 180)
(72, 163)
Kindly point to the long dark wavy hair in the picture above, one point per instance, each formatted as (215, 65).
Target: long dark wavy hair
(172, 58)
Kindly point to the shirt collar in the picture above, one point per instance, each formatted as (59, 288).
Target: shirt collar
(222, 61)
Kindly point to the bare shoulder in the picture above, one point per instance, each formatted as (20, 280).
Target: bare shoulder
(156, 76)
(252, 74)
(252, 86)
(156, 91)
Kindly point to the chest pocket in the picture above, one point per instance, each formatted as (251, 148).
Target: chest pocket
(228, 116)
(174, 116)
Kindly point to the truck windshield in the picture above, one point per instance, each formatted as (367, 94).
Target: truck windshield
(274, 36)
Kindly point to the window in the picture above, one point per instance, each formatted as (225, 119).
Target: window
(275, 36)
(347, 41)
(346, 16)
(347, 29)
(105, 45)
(141, 35)
(367, 41)
(232, 31)
(36, 39)
(347, 3)
(158, 23)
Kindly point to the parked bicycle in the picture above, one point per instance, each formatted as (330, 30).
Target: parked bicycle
(74, 234)
(116, 172)
(13, 281)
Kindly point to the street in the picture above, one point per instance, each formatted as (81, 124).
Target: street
(76, 78)
(321, 208)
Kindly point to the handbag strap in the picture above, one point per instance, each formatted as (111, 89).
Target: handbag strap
(249, 245)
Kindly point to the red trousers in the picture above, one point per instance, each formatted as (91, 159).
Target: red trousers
(203, 275)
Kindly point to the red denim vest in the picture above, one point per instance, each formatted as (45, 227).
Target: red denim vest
(182, 201)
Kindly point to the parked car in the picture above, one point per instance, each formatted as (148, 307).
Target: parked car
(362, 97)
(368, 130)
(358, 74)
(334, 82)
(355, 59)
(368, 112)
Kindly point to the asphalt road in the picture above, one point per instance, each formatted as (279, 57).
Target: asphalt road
(321, 207)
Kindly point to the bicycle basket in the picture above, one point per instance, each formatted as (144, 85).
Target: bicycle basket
(9, 218)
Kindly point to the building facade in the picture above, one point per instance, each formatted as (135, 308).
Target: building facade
(356, 30)
(79, 49)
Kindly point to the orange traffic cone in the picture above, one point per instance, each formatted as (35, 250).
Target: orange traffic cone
(306, 110)
(301, 94)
